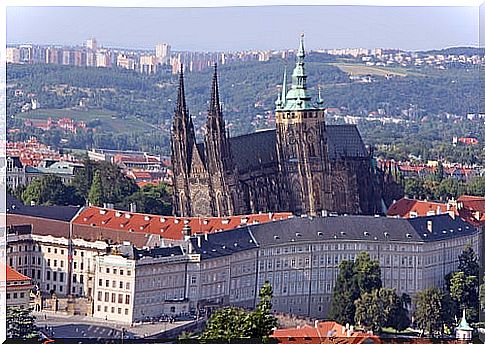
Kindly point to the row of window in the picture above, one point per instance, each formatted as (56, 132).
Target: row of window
(113, 309)
(115, 271)
(121, 285)
(113, 297)
(15, 295)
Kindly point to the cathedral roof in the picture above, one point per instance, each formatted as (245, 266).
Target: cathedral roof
(345, 140)
(250, 151)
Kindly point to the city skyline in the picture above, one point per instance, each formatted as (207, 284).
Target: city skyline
(250, 28)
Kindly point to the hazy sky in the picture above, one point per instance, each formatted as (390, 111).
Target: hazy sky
(244, 28)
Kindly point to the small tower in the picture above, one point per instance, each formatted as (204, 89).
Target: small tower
(464, 331)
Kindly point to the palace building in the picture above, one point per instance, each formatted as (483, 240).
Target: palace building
(304, 165)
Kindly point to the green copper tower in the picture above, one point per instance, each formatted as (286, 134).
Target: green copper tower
(297, 98)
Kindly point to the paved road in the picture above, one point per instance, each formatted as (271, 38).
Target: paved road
(57, 325)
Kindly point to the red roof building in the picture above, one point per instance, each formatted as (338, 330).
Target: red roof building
(18, 288)
(168, 227)
(323, 332)
(469, 208)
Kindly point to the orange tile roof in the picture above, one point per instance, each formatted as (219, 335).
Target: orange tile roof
(405, 206)
(15, 276)
(474, 203)
(169, 227)
(322, 332)
(472, 209)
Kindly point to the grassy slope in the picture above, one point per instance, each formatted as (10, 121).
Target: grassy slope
(107, 119)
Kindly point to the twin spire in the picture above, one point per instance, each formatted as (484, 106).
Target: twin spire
(214, 112)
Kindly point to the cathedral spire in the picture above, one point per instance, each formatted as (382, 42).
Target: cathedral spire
(283, 91)
(215, 105)
(181, 106)
(301, 49)
(217, 144)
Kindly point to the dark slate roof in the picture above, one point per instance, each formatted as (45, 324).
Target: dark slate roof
(308, 229)
(223, 243)
(251, 150)
(132, 252)
(366, 228)
(345, 140)
(443, 226)
(54, 212)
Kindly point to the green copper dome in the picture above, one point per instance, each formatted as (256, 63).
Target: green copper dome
(297, 97)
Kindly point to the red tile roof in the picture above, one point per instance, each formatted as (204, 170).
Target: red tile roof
(405, 206)
(15, 276)
(474, 203)
(469, 208)
(322, 332)
(168, 227)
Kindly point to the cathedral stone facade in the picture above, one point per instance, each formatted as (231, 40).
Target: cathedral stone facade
(304, 166)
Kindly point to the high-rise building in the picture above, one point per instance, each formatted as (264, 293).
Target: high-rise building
(92, 44)
(125, 61)
(103, 59)
(12, 55)
(148, 64)
(162, 53)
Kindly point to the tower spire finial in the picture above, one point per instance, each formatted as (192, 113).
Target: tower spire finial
(283, 91)
(301, 48)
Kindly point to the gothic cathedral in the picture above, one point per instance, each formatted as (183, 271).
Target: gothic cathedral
(304, 166)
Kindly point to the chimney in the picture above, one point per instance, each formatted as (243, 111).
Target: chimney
(429, 225)
(316, 323)
(205, 236)
(186, 232)
(132, 207)
(199, 240)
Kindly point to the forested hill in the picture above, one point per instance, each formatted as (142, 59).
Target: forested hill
(248, 91)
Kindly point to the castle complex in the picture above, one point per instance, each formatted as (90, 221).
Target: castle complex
(304, 166)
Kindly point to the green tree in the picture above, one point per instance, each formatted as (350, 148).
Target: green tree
(367, 272)
(232, 323)
(354, 279)
(227, 324)
(464, 291)
(370, 311)
(20, 323)
(415, 188)
(382, 308)
(96, 195)
(49, 190)
(463, 284)
(261, 321)
(433, 311)
(450, 188)
(468, 262)
(84, 177)
(476, 186)
(110, 185)
(345, 293)
(398, 314)
(152, 199)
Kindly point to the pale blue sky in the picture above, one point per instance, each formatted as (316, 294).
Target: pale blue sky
(244, 28)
